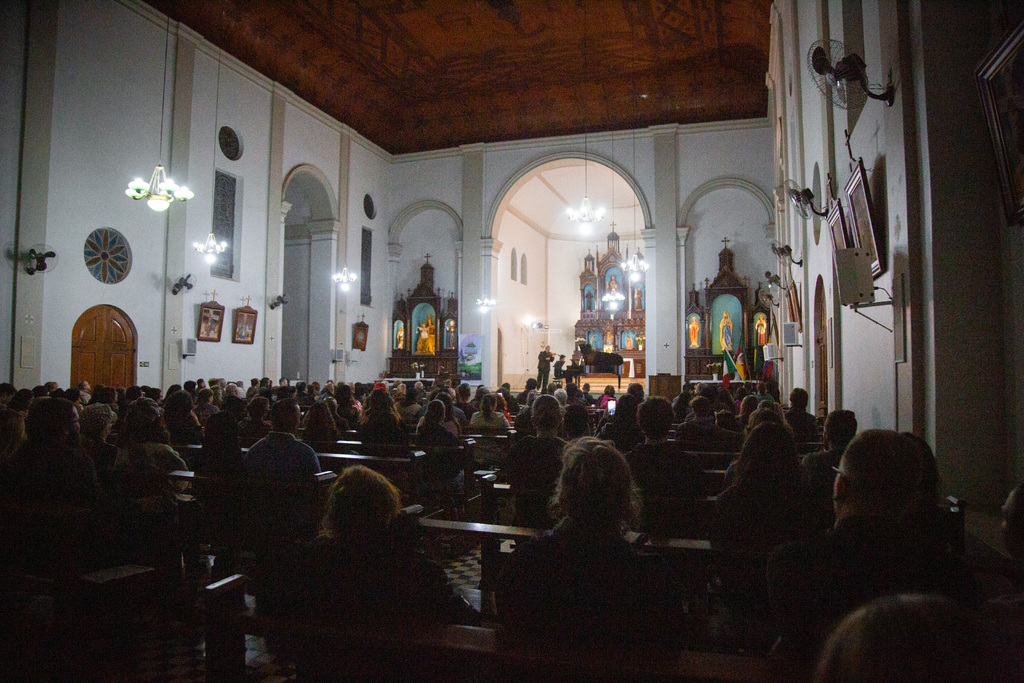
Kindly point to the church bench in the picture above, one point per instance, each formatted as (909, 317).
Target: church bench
(452, 653)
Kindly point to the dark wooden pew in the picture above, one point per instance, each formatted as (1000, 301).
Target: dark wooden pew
(458, 653)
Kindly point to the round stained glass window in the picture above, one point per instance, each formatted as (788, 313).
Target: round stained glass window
(107, 255)
(230, 144)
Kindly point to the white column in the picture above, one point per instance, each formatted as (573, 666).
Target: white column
(472, 234)
(655, 345)
(339, 310)
(666, 203)
(277, 209)
(490, 248)
(322, 250)
(681, 289)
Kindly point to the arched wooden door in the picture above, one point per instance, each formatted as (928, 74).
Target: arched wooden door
(820, 348)
(103, 345)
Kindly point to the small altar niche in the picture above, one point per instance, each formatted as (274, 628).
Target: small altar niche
(728, 319)
(424, 331)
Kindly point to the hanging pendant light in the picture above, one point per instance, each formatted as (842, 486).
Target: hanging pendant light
(160, 191)
(211, 247)
(586, 216)
(636, 264)
(345, 278)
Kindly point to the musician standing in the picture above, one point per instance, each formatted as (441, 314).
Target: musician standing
(544, 367)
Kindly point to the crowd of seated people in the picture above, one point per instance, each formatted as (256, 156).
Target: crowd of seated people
(837, 528)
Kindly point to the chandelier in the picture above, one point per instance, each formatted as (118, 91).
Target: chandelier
(345, 278)
(160, 191)
(636, 264)
(586, 216)
(612, 300)
(211, 247)
(485, 304)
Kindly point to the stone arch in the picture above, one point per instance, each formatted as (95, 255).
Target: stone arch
(519, 177)
(409, 212)
(318, 191)
(723, 183)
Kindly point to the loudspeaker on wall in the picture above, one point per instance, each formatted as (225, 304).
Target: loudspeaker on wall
(853, 273)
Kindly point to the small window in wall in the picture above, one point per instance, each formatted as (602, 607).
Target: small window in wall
(225, 193)
(366, 262)
(515, 264)
(522, 270)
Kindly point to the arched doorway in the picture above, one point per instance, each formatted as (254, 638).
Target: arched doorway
(501, 357)
(820, 348)
(103, 344)
(310, 246)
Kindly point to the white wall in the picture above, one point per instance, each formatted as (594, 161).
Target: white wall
(13, 17)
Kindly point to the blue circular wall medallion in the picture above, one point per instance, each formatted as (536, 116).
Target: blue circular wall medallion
(107, 255)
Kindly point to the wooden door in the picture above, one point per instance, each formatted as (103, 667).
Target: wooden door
(103, 345)
(820, 348)
(501, 357)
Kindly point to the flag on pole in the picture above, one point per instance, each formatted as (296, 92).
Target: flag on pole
(729, 369)
(741, 366)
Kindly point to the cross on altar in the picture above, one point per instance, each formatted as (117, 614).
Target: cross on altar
(427, 256)
(725, 241)
(246, 300)
(212, 295)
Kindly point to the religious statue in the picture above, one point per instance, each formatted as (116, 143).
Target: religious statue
(400, 336)
(613, 284)
(589, 303)
(761, 325)
(425, 341)
(638, 299)
(694, 328)
(725, 331)
(449, 334)
(629, 342)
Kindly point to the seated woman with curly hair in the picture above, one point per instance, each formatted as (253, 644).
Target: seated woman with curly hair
(364, 564)
(584, 581)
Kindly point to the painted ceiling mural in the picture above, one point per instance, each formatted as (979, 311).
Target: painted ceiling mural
(415, 75)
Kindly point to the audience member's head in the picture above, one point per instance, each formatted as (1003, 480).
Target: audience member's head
(257, 409)
(768, 460)
(764, 413)
(189, 387)
(487, 405)
(1013, 523)
(285, 416)
(840, 428)
(177, 407)
(144, 423)
(609, 390)
(655, 418)
(636, 390)
(464, 393)
(625, 410)
(586, 387)
(12, 432)
(7, 392)
(96, 422)
(220, 434)
(879, 475)
(435, 414)
(531, 384)
(547, 415)
(361, 507)
(561, 396)
(726, 420)
(21, 400)
(906, 638)
(52, 422)
(379, 409)
(595, 489)
(576, 422)
(747, 407)
(798, 399)
(701, 407)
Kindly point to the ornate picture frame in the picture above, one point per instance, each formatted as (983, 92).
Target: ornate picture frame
(360, 330)
(243, 328)
(1002, 96)
(211, 322)
(866, 234)
(837, 226)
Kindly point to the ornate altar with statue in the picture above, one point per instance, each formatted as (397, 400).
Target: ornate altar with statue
(730, 318)
(613, 304)
(424, 331)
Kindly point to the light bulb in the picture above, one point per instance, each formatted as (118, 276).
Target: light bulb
(634, 276)
(210, 258)
(344, 286)
(158, 204)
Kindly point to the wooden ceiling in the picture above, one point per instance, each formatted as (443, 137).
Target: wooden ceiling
(415, 75)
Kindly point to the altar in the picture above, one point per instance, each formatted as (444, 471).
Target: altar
(424, 331)
(613, 302)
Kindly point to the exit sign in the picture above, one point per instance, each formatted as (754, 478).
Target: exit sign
(143, 363)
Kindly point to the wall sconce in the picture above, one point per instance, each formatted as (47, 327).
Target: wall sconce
(182, 283)
(281, 300)
(344, 278)
(36, 259)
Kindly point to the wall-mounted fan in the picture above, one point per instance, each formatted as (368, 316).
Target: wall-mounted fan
(41, 258)
(833, 70)
(803, 199)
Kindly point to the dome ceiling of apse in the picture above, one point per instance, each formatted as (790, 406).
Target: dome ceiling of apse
(416, 75)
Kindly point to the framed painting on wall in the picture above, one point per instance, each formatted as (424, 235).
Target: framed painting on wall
(243, 329)
(837, 227)
(1001, 81)
(866, 234)
(211, 322)
(359, 332)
